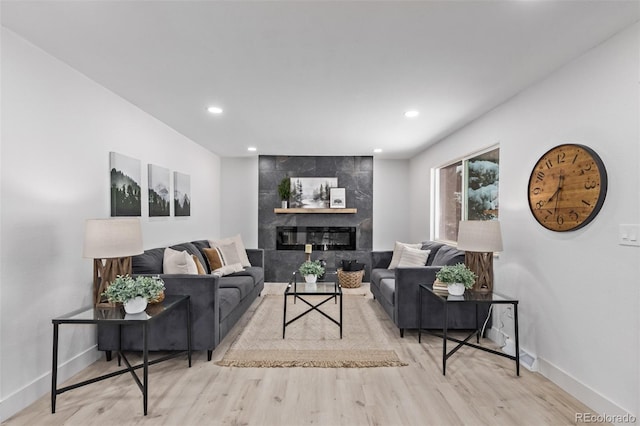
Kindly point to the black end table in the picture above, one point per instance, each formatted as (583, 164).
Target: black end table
(476, 298)
(116, 315)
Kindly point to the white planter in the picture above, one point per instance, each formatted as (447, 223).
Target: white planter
(310, 279)
(455, 289)
(135, 305)
(284, 204)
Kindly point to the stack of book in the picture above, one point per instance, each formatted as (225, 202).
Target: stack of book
(440, 288)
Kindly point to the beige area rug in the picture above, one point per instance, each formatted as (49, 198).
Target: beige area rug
(313, 340)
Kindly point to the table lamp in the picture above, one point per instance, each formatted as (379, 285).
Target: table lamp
(479, 239)
(111, 243)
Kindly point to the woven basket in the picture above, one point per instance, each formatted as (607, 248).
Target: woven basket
(158, 299)
(350, 279)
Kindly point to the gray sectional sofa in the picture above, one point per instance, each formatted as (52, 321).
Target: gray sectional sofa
(397, 290)
(217, 303)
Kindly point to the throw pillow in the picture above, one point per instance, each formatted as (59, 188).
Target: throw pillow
(213, 257)
(412, 257)
(198, 265)
(228, 269)
(397, 252)
(237, 239)
(178, 262)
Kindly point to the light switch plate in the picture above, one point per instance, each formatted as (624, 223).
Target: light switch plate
(629, 235)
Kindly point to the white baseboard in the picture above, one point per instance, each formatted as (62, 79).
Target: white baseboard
(600, 404)
(33, 391)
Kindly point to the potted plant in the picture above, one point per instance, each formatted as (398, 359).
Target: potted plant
(457, 277)
(311, 270)
(134, 293)
(284, 190)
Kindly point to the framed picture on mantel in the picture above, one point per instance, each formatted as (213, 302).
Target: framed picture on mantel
(338, 198)
(311, 192)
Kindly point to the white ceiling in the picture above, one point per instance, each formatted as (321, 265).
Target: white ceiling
(317, 78)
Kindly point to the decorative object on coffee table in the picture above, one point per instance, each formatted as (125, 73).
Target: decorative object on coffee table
(310, 270)
(111, 243)
(479, 239)
(135, 293)
(457, 277)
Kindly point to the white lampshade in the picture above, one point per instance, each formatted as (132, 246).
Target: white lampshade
(112, 238)
(480, 236)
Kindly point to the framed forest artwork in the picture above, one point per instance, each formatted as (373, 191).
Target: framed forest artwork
(159, 194)
(125, 185)
(181, 194)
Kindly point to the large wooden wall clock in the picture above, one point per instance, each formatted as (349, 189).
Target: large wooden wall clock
(567, 187)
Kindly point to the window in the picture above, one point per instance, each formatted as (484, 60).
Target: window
(465, 189)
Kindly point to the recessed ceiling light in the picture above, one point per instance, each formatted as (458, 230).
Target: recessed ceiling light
(377, 150)
(214, 110)
(252, 149)
(411, 114)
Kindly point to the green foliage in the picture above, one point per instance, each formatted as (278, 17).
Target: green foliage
(284, 189)
(124, 287)
(311, 268)
(458, 273)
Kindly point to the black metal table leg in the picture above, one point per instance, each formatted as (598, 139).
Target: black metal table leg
(54, 369)
(341, 315)
(515, 321)
(444, 339)
(284, 320)
(145, 369)
(478, 331)
(189, 330)
(419, 314)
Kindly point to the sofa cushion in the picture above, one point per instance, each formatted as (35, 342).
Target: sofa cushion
(237, 240)
(178, 262)
(228, 270)
(201, 245)
(388, 289)
(397, 252)
(448, 255)
(412, 257)
(149, 262)
(243, 283)
(378, 274)
(191, 249)
(214, 260)
(255, 272)
(229, 300)
(434, 247)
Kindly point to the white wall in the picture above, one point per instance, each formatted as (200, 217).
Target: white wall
(240, 199)
(391, 200)
(58, 128)
(578, 290)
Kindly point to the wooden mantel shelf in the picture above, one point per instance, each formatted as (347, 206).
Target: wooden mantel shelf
(280, 210)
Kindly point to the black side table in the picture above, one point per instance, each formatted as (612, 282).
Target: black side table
(475, 298)
(117, 316)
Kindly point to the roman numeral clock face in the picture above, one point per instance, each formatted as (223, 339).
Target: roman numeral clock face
(567, 187)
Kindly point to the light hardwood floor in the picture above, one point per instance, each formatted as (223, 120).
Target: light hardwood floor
(479, 389)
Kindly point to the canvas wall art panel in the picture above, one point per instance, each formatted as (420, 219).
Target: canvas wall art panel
(338, 198)
(311, 192)
(126, 197)
(159, 194)
(181, 194)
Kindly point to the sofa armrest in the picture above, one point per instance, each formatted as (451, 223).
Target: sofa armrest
(205, 305)
(256, 257)
(408, 280)
(381, 259)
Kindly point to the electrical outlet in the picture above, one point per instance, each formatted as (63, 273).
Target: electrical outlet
(629, 235)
